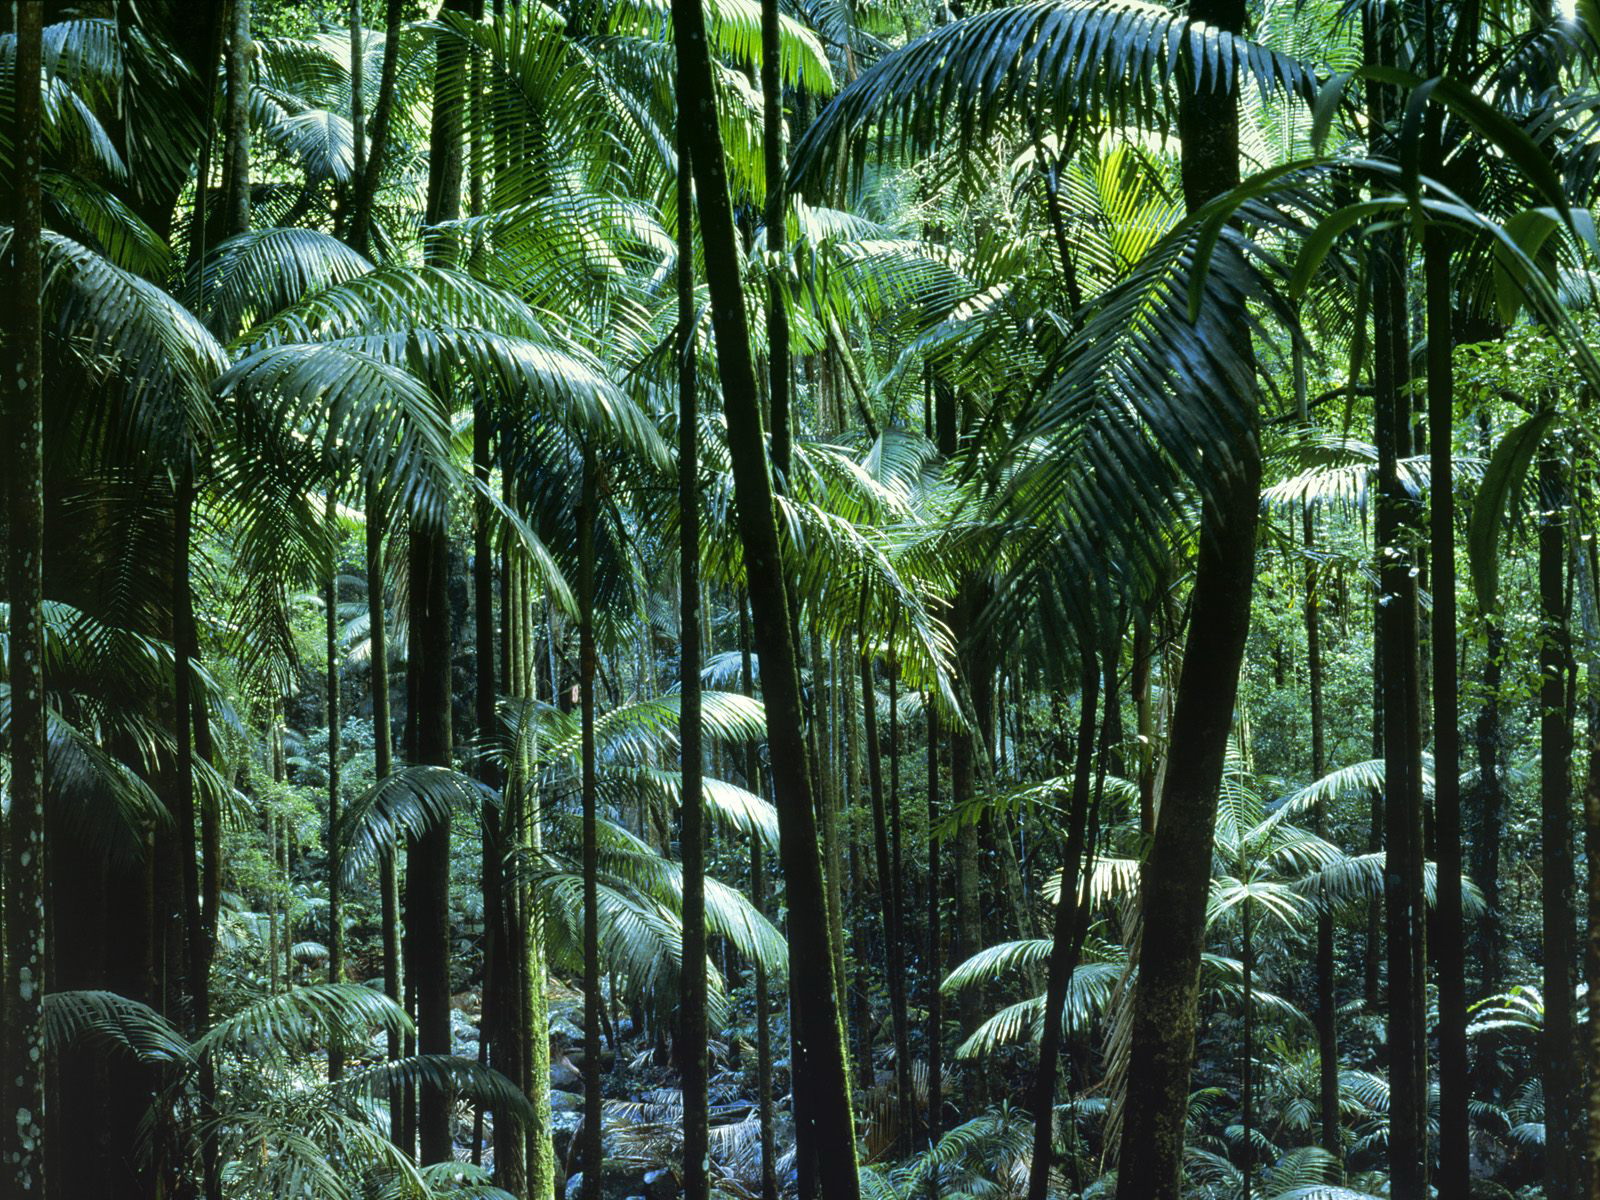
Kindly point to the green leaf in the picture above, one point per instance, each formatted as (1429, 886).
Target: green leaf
(1501, 483)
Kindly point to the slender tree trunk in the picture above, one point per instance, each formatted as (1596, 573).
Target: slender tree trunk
(428, 859)
(367, 179)
(1590, 567)
(1555, 774)
(497, 1032)
(1491, 805)
(1070, 925)
(824, 1126)
(1247, 1051)
(335, 717)
(383, 764)
(1449, 925)
(935, 1037)
(237, 184)
(772, 143)
(758, 896)
(893, 935)
(358, 99)
(692, 1053)
(592, 1144)
(899, 981)
(22, 1057)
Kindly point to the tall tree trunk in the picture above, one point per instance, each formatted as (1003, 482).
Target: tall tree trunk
(893, 935)
(428, 856)
(1178, 868)
(1449, 924)
(1491, 809)
(593, 1142)
(358, 99)
(1589, 565)
(335, 859)
(428, 859)
(22, 1057)
(497, 1031)
(383, 764)
(692, 1053)
(367, 179)
(1072, 909)
(935, 960)
(1555, 788)
(824, 1126)
(236, 185)
(758, 896)
(1396, 534)
(1326, 1013)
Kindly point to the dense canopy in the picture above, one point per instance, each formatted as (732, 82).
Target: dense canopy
(823, 599)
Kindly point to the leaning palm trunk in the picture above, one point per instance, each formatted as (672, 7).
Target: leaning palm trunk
(824, 1125)
(1177, 874)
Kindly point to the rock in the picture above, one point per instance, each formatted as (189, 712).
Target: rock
(563, 1128)
(575, 1185)
(564, 1077)
(565, 1102)
(661, 1184)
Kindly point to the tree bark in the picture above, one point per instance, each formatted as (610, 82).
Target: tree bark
(1555, 788)
(237, 163)
(1449, 924)
(1072, 910)
(383, 115)
(824, 1126)
(692, 1052)
(335, 859)
(758, 897)
(22, 1057)
(1177, 873)
(383, 764)
(893, 934)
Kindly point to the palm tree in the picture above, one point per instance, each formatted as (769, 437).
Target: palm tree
(825, 1123)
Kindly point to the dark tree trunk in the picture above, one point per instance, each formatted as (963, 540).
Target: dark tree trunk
(429, 713)
(1449, 925)
(1326, 1008)
(824, 1125)
(1555, 787)
(22, 1056)
(1178, 869)
(1590, 567)
(1397, 531)
(593, 1142)
(1072, 910)
(893, 933)
(1491, 808)
(758, 896)
(428, 857)
(935, 961)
